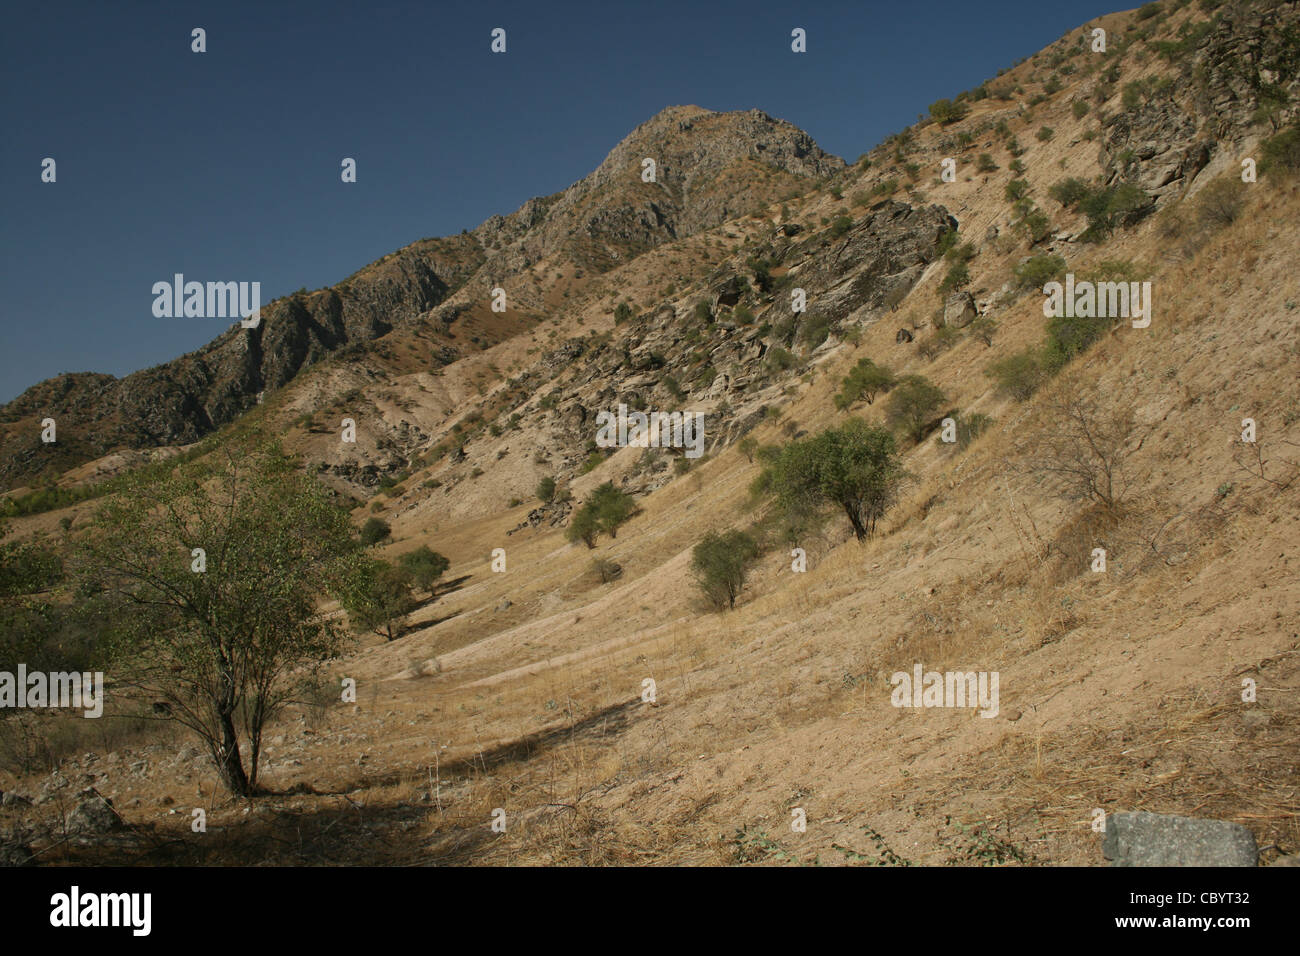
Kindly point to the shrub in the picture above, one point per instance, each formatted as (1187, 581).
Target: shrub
(424, 565)
(985, 164)
(374, 531)
(840, 225)
(958, 277)
(748, 445)
(1070, 192)
(1019, 375)
(1016, 189)
(606, 570)
(720, 563)
(1220, 202)
(984, 328)
(854, 467)
(546, 490)
(1044, 133)
(1282, 150)
(1080, 109)
(604, 510)
(945, 112)
(780, 359)
(1035, 272)
(865, 381)
(622, 312)
(914, 406)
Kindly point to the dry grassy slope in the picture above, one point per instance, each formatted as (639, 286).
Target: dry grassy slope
(1119, 691)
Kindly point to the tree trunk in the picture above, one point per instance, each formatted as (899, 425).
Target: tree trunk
(856, 520)
(230, 765)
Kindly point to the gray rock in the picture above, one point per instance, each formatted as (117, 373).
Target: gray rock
(959, 310)
(1160, 839)
(94, 814)
(11, 799)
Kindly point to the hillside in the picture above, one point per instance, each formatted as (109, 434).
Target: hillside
(523, 689)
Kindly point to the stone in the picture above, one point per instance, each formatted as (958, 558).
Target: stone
(902, 336)
(959, 310)
(94, 814)
(16, 854)
(1161, 839)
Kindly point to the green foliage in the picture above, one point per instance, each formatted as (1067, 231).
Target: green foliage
(1016, 189)
(840, 225)
(374, 531)
(945, 112)
(546, 489)
(865, 380)
(703, 313)
(914, 406)
(1037, 271)
(985, 164)
(604, 510)
(377, 595)
(622, 312)
(779, 359)
(1044, 134)
(1079, 109)
(1019, 375)
(228, 645)
(958, 277)
(720, 563)
(424, 565)
(855, 467)
(1070, 192)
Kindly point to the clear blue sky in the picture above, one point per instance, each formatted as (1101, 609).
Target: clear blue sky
(225, 165)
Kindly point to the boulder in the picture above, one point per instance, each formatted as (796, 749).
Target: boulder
(1161, 839)
(94, 814)
(959, 310)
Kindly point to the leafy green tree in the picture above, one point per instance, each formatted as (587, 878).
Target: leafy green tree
(546, 489)
(945, 111)
(424, 566)
(374, 531)
(854, 466)
(914, 405)
(865, 381)
(379, 594)
(227, 635)
(720, 563)
(584, 526)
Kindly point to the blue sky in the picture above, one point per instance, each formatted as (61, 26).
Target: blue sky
(225, 165)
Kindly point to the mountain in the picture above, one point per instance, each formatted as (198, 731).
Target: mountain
(1110, 532)
(710, 167)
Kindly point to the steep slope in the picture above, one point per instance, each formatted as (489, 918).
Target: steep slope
(523, 689)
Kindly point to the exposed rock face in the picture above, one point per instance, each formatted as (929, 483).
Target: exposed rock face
(706, 167)
(93, 814)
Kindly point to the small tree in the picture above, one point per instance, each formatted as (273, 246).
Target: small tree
(378, 595)
(1084, 449)
(914, 405)
(1018, 375)
(720, 563)
(612, 506)
(584, 526)
(854, 466)
(748, 445)
(424, 566)
(374, 531)
(223, 636)
(546, 489)
(865, 381)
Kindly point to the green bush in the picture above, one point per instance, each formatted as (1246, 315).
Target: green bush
(720, 563)
(1282, 150)
(958, 277)
(840, 225)
(1016, 190)
(546, 490)
(865, 380)
(945, 112)
(854, 467)
(1044, 133)
(985, 164)
(914, 406)
(374, 531)
(604, 510)
(1037, 271)
(1019, 375)
(424, 565)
